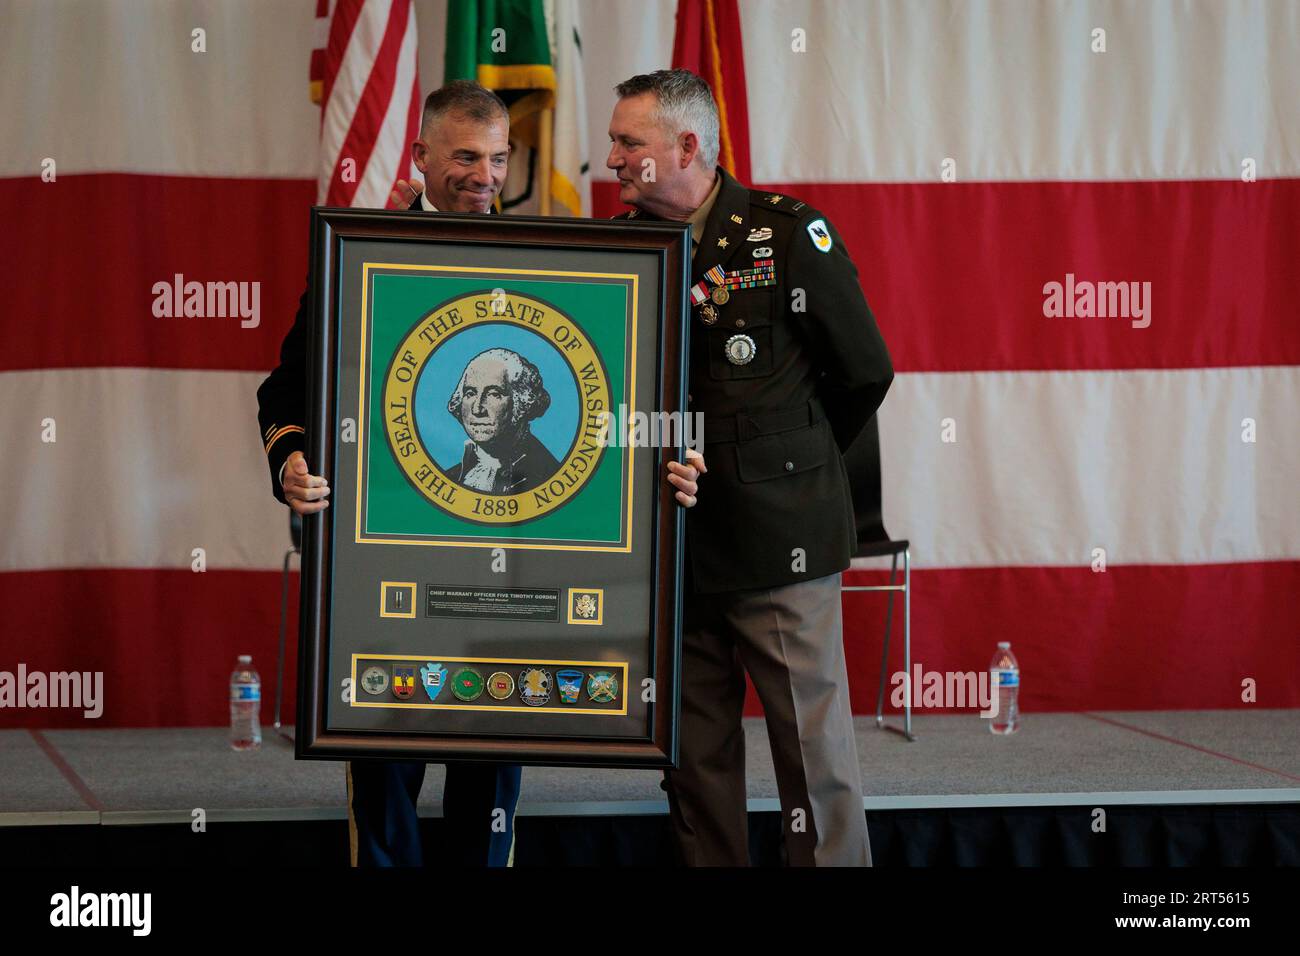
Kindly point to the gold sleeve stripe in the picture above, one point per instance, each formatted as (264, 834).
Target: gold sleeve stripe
(287, 429)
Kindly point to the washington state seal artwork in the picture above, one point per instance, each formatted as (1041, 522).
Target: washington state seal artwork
(518, 433)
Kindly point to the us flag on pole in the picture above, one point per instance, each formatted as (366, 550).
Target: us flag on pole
(365, 76)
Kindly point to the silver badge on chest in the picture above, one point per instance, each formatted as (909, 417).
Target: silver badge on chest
(740, 350)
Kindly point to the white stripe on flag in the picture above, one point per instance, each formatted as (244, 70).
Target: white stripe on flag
(1011, 91)
(1046, 466)
(148, 465)
(1148, 465)
(115, 86)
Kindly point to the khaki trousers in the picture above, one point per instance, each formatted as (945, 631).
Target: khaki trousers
(790, 640)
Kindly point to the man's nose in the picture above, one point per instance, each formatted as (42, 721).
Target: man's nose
(482, 173)
(615, 159)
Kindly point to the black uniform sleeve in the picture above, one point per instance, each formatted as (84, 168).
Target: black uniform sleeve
(282, 399)
(840, 330)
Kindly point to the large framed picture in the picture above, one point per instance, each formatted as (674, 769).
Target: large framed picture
(494, 402)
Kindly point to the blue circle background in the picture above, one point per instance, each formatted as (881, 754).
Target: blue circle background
(444, 437)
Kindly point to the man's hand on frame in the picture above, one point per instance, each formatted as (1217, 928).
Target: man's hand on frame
(304, 492)
(685, 477)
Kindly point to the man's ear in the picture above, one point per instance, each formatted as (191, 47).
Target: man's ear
(689, 144)
(420, 155)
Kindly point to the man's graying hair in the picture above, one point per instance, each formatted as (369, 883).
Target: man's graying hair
(686, 104)
(464, 98)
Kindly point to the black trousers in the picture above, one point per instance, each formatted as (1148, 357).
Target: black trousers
(478, 808)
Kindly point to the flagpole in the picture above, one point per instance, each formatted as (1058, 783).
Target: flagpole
(545, 158)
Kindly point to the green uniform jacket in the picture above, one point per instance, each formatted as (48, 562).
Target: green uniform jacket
(775, 507)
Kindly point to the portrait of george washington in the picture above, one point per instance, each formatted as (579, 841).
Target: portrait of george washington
(498, 395)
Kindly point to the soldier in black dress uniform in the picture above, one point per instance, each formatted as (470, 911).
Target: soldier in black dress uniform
(463, 150)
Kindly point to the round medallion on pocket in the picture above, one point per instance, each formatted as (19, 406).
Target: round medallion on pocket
(740, 350)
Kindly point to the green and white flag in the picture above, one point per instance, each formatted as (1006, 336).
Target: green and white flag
(570, 173)
(530, 53)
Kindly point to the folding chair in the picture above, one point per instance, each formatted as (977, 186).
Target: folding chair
(863, 463)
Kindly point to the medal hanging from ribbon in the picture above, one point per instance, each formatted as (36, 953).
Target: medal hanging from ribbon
(718, 284)
(710, 287)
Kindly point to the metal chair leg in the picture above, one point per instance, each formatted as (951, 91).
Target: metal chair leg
(907, 639)
(906, 729)
(884, 657)
(284, 623)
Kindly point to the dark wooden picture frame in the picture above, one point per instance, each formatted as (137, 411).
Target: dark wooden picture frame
(668, 247)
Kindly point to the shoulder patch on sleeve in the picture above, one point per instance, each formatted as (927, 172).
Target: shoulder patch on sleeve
(820, 235)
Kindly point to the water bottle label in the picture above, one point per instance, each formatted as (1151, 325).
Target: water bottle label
(246, 692)
(1007, 678)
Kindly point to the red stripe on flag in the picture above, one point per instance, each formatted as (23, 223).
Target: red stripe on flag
(166, 641)
(369, 117)
(1179, 637)
(1136, 637)
(79, 260)
(955, 272)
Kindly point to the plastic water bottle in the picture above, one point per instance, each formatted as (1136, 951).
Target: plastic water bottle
(1004, 680)
(245, 705)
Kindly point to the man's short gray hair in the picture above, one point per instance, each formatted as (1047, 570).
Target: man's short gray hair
(464, 98)
(686, 104)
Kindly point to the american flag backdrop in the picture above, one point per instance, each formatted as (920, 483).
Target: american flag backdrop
(1116, 495)
(366, 80)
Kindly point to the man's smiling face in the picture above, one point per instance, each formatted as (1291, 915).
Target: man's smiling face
(465, 162)
(641, 153)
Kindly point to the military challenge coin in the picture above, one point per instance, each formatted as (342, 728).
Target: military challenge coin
(602, 687)
(535, 686)
(434, 678)
(374, 681)
(467, 684)
(403, 681)
(500, 685)
(569, 685)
